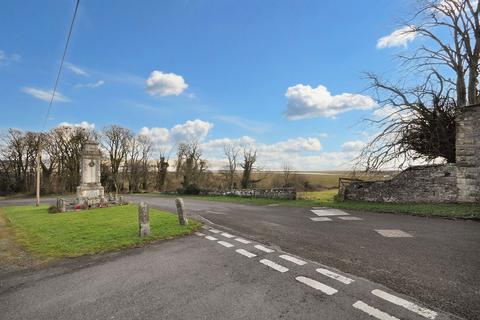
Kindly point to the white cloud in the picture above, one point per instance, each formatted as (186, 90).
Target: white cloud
(296, 144)
(76, 69)
(91, 85)
(355, 145)
(83, 124)
(307, 102)
(398, 38)
(164, 139)
(160, 137)
(305, 153)
(6, 59)
(165, 84)
(196, 130)
(45, 95)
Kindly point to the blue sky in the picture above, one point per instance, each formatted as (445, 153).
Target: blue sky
(246, 71)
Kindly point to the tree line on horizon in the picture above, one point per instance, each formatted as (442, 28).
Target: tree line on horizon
(128, 163)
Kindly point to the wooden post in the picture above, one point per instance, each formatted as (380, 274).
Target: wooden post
(182, 216)
(37, 187)
(143, 220)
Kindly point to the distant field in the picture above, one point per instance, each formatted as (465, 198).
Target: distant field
(318, 180)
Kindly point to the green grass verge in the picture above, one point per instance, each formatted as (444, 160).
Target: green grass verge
(86, 232)
(326, 198)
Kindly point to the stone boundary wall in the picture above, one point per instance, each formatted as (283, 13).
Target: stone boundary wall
(435, 183)
(274, 193)
(453, 182)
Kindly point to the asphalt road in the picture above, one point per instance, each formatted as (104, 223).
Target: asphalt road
(198, 277)
(439, 265)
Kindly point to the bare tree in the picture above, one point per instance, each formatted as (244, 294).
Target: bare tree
(19, 159)
(453, 28)
(231, 152)
(162, 171)
(417, 121)
(136, 168)
(249, 159)
(190, 166)
(116, 141)
(287, 173)
(64, 146)
(414, 123)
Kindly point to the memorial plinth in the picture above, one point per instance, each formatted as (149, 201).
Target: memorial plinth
(90, 189)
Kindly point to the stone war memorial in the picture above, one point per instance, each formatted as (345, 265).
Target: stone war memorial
(90, 190)
(451, 182)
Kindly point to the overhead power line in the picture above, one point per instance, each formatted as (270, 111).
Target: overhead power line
(61, 65)
(54, 91)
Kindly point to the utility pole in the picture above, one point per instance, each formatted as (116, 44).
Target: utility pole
(51, 102)
(38, 175)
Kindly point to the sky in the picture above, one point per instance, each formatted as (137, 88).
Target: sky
(283, 77)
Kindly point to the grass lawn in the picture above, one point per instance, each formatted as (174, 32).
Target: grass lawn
(86, 232)
(326, 198)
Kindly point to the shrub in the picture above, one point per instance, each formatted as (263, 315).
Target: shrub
(190, 189)
(53, 209)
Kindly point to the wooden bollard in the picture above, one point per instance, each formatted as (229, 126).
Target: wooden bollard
(143, 220)
(182, 216)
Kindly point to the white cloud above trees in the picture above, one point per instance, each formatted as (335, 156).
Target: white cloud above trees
(307, 102)
(398, 38)
(191, 131)
(354, 145)
(165, 84)
(45, 95)
(83, 124)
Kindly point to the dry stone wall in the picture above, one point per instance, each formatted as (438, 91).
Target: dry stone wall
(453, 182)
(273, 193)
(416, 184)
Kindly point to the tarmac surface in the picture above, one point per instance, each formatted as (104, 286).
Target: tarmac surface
(396, 264)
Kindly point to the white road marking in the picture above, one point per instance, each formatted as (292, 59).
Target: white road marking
(323, 219)
(264, 249)
(241, 240)
(273, 265)
(214, 230)
(199, 234)
(330, 212)
(227, 235)
(293, 259)
(246, 253)
(210, 238)
(225, 244)
(371, 311)
(335, 276)
(424, 312)
(392, 233)
(350, 218)
(317, 285)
